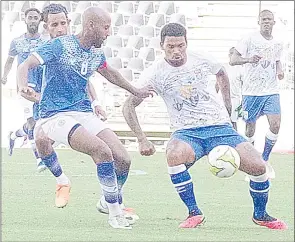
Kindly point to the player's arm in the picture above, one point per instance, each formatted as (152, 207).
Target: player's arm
(237, 59)
(22, 78)
(224, 87)
(130, 116)
(7, 68)
(98, 110)
(279, 70)
(113, 76)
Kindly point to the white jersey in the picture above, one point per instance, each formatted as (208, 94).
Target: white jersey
(260, 78)
(235, 76)
(190, 99)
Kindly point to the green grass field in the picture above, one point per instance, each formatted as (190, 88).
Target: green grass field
(28, 212)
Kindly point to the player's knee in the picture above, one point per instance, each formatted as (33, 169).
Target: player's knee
(275, 127)
(175, 157)
(101, 152)
(259, 168)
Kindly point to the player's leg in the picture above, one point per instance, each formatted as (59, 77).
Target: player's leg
(50, 159)
(31, 125)
(252, 107)
(121, 157)
(253, 165)
(181, 151)
(272, 109)
(82, 141)
(13, 135)
(122, 167)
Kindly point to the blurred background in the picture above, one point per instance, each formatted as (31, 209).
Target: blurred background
(213, 26)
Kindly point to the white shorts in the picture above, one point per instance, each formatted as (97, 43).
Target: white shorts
(58, 127)
(27, 107)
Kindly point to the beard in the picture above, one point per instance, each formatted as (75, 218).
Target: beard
(33, 29)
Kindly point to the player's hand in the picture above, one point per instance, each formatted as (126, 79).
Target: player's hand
(254, 59)
(99, 112)
(281, 75)
(4, 80)
(144, 92)
(26, 90)
(146, 148)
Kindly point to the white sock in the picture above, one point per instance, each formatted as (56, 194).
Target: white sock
(114, 209)
(62, 179)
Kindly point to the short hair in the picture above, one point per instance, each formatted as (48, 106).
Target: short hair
(32, 10)
(173, 29)
(53, 8)
(265, 11)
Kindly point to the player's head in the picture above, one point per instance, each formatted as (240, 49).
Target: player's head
(266, 21)
(32, 20)
(96, 26)
(174, 43)
(56, 22)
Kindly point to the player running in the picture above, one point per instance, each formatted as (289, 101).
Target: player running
(260, 54)
(22, 47)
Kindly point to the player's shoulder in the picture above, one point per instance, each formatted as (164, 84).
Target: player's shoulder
(19, 38)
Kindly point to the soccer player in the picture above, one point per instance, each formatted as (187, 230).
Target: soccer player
(56, 21)
(65, 110)
(200, 122)
(260, 54)
(22, 47)
(235, 75)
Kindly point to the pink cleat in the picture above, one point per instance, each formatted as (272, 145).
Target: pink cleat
(192, 221)
(274, 224)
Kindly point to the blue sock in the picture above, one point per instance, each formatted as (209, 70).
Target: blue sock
(270, 140)
(108, 181)
(33, 144)
(52, 164)
(184, 186)
(259, 192)
(121, 179)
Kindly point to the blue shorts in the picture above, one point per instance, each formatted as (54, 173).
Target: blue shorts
(204, 139)
(256, 106)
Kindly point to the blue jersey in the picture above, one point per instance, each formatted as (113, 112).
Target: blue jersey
(67, 69)
(22, 47)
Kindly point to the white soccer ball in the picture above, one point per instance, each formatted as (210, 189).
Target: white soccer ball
(224, 161)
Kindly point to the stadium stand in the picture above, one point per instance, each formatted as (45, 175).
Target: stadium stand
(213, 26)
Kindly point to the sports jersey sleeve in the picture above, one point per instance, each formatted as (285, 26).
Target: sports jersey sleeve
(102, 61)
(242, 46)
(49, 52)
(12, 49)
(146, 78)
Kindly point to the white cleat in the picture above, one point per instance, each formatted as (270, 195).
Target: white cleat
(119, 222)
(129, 214)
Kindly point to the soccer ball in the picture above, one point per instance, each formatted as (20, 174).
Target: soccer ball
(224, 161)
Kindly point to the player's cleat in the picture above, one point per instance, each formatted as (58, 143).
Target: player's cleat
(271, 223)
(129, 213)
(10, 144)
(62, 195)
(270, 171)
(41, 167)
(119, 222)
(192, 221)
